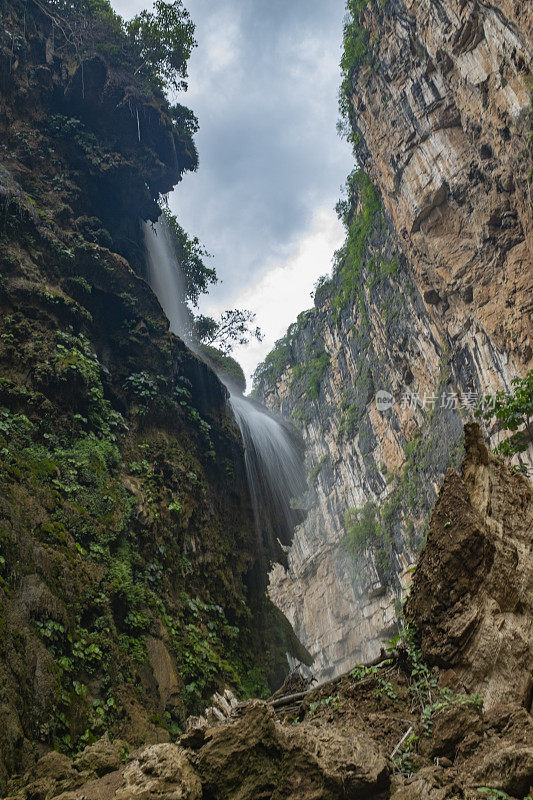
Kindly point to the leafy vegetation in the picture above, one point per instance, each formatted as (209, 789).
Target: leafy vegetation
(190, 255)
(69, 469)
(358, 214)
(164, 40)
(331, 701)
(315, 472)
(354, 54)
(233, 327)
(384, 688)
(427, 695)
(496, 794)
(154, 46)
(309, 374)
(514, 411)
(368, 527)
(114, 500)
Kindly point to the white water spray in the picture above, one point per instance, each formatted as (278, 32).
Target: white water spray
(166, 279)
(274, 465)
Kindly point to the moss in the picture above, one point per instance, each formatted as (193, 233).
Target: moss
(308, 376)
(226, 366)
(360, 224)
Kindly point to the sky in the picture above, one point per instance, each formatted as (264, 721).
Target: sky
(263, 83)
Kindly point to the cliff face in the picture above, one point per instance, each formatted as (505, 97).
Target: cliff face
(129, 565)
(430, 301)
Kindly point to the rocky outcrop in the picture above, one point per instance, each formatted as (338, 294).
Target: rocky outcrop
(472, 595)
(459, 726)
(428, 309)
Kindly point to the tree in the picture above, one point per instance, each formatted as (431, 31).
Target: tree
(515, 413)
(164, 39)
(234, 327)
(154, 45)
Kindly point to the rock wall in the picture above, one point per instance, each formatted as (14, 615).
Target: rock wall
(131, 584)
(430, 301)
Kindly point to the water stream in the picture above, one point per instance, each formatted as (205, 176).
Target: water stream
(273, 457)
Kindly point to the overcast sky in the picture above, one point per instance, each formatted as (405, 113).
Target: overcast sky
(263, 82)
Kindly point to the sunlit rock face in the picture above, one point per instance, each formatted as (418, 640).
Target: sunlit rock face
(444, 120)
(440, 309)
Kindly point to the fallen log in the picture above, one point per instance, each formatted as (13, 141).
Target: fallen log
(289, 698)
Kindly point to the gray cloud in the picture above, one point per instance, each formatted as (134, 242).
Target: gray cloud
(263, 83)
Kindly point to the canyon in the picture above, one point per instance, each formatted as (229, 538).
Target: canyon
(459, 727)
(429, 302)
(153, 592)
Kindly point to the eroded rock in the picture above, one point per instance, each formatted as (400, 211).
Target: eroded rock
(472, 594)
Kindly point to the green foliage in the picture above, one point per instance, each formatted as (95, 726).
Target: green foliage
(164, 40)
(515, 413)
(366, 528)
(186, 122)
(358, 214)
(199, 634)
(355, 53)
(497, 794)
(143, 388)
(403, 760)
(384, 688)
(226, 366)
(233, 327)
(332, 701)
(154, 45)
(362, 527)
(351, 415)
(281, 356)
(427, 695)
(190, 255)
(271, 369)
(310, 374)
(313, 475)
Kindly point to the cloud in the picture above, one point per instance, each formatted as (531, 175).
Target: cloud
(263, 83)
(284, 288)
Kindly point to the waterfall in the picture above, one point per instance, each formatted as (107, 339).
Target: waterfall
(274, 467)
(166, 279)
(273, 457)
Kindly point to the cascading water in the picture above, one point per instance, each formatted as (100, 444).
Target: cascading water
(275, 472)
(273, 459)
(166, 279)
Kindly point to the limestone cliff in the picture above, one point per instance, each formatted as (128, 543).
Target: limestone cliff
(130, 579)
(430, 301)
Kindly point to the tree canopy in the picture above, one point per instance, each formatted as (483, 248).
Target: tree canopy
(155, 45)
(164, 39)
(233, 327)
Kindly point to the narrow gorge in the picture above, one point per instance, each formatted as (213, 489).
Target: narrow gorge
(320, 590)
(430, 302)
